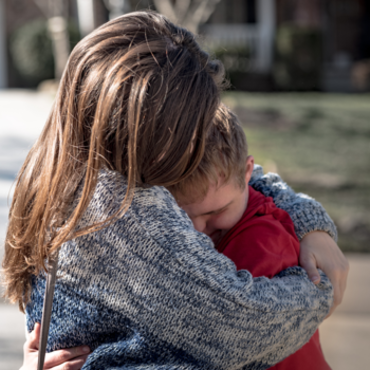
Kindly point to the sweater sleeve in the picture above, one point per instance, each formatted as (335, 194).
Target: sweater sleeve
(233, 320)
(307, 214)
(149, 291)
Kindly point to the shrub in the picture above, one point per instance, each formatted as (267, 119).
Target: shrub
(32, 53)
(298, 59)
(236, 60)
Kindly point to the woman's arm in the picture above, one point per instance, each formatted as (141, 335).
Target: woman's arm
(307, 214)
(313, 227)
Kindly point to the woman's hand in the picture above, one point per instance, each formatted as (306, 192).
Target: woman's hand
(319, 250)
(64, 359)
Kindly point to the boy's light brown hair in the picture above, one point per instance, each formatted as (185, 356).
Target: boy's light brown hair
(224, 159)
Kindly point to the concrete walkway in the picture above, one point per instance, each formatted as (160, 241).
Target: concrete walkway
(22, 116)
(345, 336)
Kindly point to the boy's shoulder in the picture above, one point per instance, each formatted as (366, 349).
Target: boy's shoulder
(259, 206)
(263, 241)
(262, 223)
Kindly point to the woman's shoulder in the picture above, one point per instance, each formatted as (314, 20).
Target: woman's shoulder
(153, 222)
(153, 213)
(111, 189)
(151, 206)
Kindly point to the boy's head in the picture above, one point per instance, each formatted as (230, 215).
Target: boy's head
(215, 195)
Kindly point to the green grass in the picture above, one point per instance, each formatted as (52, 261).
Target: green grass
(320, 145)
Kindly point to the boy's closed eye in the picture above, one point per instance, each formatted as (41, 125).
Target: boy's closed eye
(217, 211)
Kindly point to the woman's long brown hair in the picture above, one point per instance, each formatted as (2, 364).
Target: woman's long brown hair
(137, 97)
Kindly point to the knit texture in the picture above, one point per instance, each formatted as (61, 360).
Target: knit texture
(150, 292)
(307, 214)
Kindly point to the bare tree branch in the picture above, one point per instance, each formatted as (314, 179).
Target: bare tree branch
(107, 4)
(188, 13)
(209, 10)
(166, 8)
(194, 15)
(43, 5)
(181, 9)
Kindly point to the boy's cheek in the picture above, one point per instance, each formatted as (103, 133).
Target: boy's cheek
(226, 221)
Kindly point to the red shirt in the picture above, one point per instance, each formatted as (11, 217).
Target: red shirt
(264, 243)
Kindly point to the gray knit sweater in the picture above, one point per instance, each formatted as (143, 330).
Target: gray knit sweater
(150, 292)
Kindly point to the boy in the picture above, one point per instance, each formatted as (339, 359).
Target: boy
(244, 225)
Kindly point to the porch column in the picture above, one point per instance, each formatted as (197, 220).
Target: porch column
(118, 7)
(266, 19)
(85, 9)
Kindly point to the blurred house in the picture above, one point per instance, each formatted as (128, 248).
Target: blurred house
(264, 44)
(325, 42)
(244, 29)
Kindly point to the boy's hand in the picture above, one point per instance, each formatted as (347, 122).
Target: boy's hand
(64, 359)
(319, 250)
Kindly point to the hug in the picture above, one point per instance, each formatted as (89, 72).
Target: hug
(137, 184)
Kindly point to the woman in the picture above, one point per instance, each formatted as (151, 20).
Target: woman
(137, 283)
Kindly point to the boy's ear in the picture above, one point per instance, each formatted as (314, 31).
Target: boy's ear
(249, 168)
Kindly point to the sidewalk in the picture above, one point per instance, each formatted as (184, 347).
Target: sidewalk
(345, 336)
(23, 114)
(12, 337)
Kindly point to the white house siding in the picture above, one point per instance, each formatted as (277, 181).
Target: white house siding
(258, 37)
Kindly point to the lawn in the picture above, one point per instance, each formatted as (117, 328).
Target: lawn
(319, 144)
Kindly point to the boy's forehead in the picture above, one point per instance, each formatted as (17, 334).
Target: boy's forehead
(217, 198)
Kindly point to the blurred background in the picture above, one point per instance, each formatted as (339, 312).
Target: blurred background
(299, 73)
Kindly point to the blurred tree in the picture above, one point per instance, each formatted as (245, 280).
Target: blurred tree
(187, 13)
(56, 13)
(117, 7)
(298, 58)
(31, 51)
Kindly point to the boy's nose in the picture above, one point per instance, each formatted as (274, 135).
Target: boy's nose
(199, 224)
